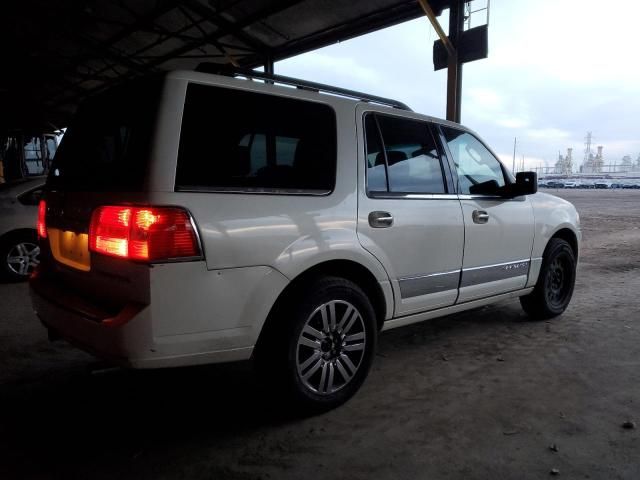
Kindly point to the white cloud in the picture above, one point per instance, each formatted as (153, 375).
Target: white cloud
(556, 69)
(485, 98)
(547, 133)
(512, 122)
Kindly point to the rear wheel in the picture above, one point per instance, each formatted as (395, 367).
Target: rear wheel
(553, 291)
(321, 351)
(20, 255)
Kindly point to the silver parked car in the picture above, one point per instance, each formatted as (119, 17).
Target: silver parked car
(198, 218)
(19, 251)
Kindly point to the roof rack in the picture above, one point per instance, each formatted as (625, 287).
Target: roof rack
(229, 71)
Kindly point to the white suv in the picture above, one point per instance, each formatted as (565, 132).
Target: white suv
(195, 218)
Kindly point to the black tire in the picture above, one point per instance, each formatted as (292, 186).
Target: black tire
(279, 354)
(23, 243)
(553, 291)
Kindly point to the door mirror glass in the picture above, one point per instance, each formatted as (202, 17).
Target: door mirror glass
(526, 184)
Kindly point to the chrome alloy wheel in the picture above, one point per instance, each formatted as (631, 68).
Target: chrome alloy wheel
(331, 347)
(23, 258)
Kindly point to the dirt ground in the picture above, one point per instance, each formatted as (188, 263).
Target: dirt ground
(483, 394)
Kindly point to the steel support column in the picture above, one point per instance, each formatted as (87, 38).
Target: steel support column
(454, 79)
(268, 64)
(454, 67)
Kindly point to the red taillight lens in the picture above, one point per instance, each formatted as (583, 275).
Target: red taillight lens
(143, 233)
(42, 225)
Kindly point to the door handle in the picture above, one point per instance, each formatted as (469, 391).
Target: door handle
(480, 216)
(380, 219)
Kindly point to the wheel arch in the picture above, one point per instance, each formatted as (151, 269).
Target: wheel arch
(17, 232)
(568, 236)
(347, 269)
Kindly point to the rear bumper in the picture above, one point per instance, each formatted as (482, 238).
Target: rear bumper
(195, 316)
(128, 345)
(120, 338)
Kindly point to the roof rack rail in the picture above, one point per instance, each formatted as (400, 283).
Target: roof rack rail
(229, 71)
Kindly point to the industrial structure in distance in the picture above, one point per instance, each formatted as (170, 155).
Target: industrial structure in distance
(594, 164)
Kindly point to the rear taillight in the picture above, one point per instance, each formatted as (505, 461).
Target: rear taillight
(143, 233)
(42, 225)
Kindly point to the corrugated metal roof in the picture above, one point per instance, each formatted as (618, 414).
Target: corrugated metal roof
(55, 54)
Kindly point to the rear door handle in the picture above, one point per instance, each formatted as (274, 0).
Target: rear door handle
(480, 216)
(380, 219)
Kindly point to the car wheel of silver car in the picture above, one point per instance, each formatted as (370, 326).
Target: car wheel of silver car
(329, 337)
(20, 255)
(556, 281)
(330, 347)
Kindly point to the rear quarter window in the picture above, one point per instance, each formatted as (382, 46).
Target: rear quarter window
(239, 141)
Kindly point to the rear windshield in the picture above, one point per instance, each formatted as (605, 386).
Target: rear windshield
(106, 147)
(234, 140)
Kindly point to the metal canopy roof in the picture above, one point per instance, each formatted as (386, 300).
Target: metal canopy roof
(56, 53)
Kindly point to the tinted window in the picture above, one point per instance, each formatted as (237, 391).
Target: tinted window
(237, 140)
(376, 168)
(474, 163)
(412, 160)
(106, 147)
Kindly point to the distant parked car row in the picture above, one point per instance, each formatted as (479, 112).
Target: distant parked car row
(599, 184)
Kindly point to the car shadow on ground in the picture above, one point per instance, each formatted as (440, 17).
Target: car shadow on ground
(93, 415)
(109, 417)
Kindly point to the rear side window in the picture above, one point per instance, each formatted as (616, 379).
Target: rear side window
(408, 154)
(233, 140)
(376, 164)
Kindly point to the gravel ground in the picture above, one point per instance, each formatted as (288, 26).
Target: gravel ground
(483, 394)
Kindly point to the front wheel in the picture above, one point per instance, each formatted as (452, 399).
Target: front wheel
(325, 345)
(553, 291)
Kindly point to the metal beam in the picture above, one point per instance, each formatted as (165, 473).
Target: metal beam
(224, 24)
(133, 55)
(454, 65)
(382, 18)
(454, 83)
(162, 7)
(231, 29)
(220, 48)
(436, 26)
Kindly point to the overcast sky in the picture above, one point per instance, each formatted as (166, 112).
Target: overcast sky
(556, 69)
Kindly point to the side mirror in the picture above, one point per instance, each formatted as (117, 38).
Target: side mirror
(490, 187)
(526, 184)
